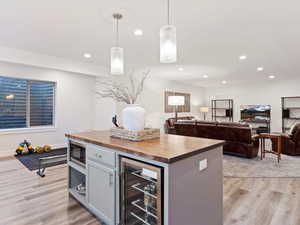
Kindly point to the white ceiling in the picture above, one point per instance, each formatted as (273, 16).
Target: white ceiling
(211, 35)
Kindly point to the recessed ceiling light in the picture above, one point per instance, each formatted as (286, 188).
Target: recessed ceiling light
(272, 76)
(138, 32)
(180, 69)
(260, 68)
(205, 76)
(243, 57)
(87, 55)
(224, 82)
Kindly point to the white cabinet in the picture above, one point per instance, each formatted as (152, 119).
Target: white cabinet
(102, 191)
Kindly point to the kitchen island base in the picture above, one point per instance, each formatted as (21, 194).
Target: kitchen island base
(122, 188)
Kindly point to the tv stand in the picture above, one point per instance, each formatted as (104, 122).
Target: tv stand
(266, 128)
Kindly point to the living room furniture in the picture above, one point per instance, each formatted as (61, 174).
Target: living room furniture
(290, 143)
(204, 110)
(274, 138)
(45, 162)
(222, 109)
(264, 126)
(258, 116)
(290, 112)
(176, 101)
(169, 124)
(238, 138)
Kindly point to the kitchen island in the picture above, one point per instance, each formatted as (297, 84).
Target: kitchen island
(174, 180)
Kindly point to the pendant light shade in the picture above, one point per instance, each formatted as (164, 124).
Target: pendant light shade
(168, 45)
(116, 61)
(117, 53)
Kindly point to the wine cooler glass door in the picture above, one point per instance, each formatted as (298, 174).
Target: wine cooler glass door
(141, 190)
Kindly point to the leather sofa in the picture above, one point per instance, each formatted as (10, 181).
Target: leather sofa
(238, 137)
(290, 142)
(169, 124)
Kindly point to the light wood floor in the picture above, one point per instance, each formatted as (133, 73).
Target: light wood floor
(26, 199)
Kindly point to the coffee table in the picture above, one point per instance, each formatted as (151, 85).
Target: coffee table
(273, 136)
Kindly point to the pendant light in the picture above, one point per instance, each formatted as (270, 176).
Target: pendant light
(117, 53)
(168, 45)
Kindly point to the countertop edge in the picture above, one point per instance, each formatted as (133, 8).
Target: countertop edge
(148, 156)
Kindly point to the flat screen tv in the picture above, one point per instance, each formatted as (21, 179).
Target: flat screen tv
(255, 112)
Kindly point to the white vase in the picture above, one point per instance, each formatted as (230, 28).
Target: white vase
(133, 117)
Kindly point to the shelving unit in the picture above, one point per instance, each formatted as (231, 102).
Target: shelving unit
(222, 108)
(290, 107)
(76, 177)
(77, 172)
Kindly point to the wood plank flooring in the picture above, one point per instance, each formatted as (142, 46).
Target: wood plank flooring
(26, 199)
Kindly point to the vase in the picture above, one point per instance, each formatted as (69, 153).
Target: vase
(133, 117)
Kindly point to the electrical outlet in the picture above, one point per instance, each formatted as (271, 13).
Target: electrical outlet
(202, 164)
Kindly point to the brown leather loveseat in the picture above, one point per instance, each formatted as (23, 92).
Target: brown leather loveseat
(238, 137)
(291, 142)
(169, 124)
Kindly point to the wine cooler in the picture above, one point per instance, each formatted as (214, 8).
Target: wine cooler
(141, 193)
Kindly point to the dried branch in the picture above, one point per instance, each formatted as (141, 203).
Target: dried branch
(121, 93)
(131, 79)
(141, 86)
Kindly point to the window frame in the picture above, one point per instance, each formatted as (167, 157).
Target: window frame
(28, 128)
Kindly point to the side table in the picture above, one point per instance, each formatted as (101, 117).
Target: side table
(277, 137)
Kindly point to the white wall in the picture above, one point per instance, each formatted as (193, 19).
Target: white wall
(269, 93)
(152, 99)
(75, 108)
(79, 109)
(105, 109)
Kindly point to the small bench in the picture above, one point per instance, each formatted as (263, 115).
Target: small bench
(47, 161)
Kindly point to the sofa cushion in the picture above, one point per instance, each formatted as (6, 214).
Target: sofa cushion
(207, 131)
(293, 129)
(238, 138)
(186, 129)
(186, 121)
(236, 134)
(172, 121)
(296, 134)
(233, 124)
(206, 122)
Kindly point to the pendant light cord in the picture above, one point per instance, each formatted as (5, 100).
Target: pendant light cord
(168, 12)
(117, 32)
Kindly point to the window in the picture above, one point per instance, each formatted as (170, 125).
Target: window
(26, 103)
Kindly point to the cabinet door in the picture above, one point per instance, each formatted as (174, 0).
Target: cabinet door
(101, 191)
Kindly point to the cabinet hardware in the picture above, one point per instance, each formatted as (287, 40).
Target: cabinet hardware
(110, 179)
(98, 155)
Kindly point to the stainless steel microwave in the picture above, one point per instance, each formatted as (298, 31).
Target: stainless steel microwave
(77, 153)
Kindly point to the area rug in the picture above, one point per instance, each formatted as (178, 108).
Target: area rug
(234, 166)
(31, 161)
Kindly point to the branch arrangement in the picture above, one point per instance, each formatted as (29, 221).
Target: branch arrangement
(120, 92)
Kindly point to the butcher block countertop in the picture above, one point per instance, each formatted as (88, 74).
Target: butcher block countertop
(167, 149)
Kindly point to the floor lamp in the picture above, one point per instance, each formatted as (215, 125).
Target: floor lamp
(176, 101)
(204, 110)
